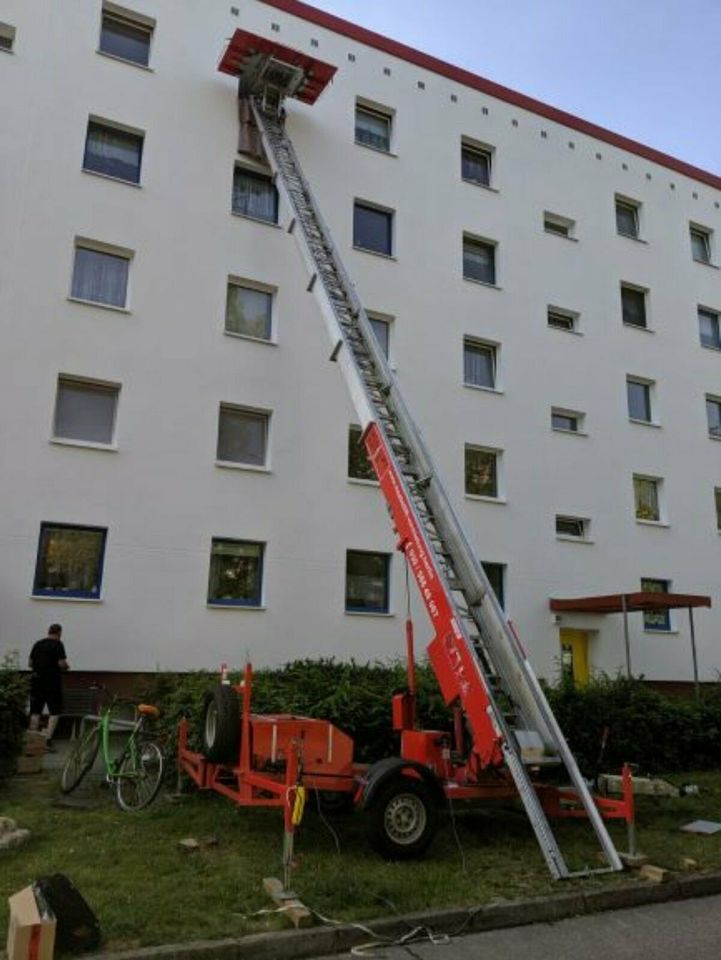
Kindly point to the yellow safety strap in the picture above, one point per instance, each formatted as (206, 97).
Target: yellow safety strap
(298, 806)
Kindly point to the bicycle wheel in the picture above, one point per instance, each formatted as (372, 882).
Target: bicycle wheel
(80, 760)
(139, 776)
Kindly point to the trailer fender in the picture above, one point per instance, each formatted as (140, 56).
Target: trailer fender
(384, 770)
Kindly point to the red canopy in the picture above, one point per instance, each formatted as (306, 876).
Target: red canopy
(614, 602)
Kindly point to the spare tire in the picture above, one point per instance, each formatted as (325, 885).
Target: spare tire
(221, 724)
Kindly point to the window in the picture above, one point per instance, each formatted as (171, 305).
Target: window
(373, 127)
(248, 311)
(366, 582)
(479, 364)
(567, 421)
(242, 436)
(359, 466)
(479, 260)
(481, 472)
(70, 561)
(647, 500)
(236, 573)
(382, 331)
(126, 35)
(713, 416)
(700, 244)
(85, 411)
(639, 399)
(709, 329)
(254, 195)
(7, 37)
(627, 218)
(633, 304)
(100, 275)
(372, 228)
(562, 319)
(560, 226)
(113, 152)
(573, 528)
(717, 500)
(656, 619)
(496, 574)
(476, 163)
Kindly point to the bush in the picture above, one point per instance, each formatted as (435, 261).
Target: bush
(658, 733)
(13, 699)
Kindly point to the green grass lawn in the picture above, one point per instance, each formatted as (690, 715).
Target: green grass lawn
(144, 890)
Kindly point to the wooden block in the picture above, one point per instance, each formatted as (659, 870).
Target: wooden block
(298, 914)
(654, 874)
(188, 845)
(688, 863)
(634, 861)
(29, 764)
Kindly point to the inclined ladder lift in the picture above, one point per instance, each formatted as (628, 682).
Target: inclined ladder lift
(476, 654)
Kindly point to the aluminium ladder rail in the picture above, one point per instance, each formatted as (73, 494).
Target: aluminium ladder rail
(488, 666)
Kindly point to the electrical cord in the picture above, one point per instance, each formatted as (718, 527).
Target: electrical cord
(327, 824)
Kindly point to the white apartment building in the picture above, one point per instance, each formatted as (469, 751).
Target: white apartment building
(179, 481)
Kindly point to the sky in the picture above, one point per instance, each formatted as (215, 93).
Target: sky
(647, 69)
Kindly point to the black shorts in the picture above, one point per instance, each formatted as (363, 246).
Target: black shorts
(44, 692)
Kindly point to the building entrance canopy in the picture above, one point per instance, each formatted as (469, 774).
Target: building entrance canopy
(645, 602)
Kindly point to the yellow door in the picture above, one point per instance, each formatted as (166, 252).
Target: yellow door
(574, 655)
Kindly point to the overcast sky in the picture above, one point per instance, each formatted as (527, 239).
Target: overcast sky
(648, 69)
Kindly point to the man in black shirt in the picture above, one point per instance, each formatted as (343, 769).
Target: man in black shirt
(47, 662)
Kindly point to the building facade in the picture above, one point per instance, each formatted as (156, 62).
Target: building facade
(180, 474)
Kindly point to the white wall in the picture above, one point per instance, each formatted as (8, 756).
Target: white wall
(161, 495)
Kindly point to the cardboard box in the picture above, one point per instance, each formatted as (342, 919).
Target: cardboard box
(34, 744)
(31, 934)
(30, 764)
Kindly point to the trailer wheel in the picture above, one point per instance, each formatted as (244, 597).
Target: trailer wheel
(402, 819)
(221, 724)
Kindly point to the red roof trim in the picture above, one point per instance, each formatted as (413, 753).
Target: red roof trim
(472, 80)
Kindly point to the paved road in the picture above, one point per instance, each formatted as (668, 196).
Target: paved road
(683, 930)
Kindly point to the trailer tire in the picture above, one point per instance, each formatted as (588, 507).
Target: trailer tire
(402, 819)
(221, 724)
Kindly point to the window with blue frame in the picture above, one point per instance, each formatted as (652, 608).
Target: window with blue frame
(236, 573)
(70, 561)
(367, 582)
(658, 620)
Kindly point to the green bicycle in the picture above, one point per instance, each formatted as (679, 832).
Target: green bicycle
(136, 774)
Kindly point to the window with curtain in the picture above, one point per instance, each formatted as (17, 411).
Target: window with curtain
(100, 277)
(700, 244)
(479, 364)
(627, 219)
(709, 328)
(69, 561)
(242, 436)
(646, 497)
(481, 472)
(236, 573)
(475, 165)
(373, 128)
(656, 619)
(85, 411)
(248, 312)
(125, 38)
(479, 260)
(367, 582)
(254, 195)
(112, 152)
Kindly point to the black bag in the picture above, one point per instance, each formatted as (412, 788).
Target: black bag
(77, 928)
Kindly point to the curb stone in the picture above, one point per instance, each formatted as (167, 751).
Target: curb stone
(322, 941)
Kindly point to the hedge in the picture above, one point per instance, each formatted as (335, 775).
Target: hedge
(658, 733)
(13, 701)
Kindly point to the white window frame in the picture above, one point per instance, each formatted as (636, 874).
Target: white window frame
(106, 386)
(660, 500)
(576, 415)
(706, 233)
(379, 208)
(566, 227)
(636, 288)
(8, 33)
(500, 496)
(122, 128)
(248, 284)
(651, 386)
(585, 525)
(481, 149)
(389, 321)
(85, 243)
(135, 19)
(381, 111)
(629, 204)
(714, 399)
(495, 348)
(710, 312)
(475, 239)
(264, 467)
